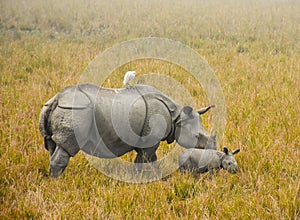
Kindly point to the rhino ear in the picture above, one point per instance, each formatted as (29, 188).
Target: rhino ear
(187, 110)
(225, 150)
(236, 151)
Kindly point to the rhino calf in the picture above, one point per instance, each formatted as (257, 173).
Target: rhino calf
(208, 160)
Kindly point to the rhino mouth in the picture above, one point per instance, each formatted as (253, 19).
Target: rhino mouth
(233, 170)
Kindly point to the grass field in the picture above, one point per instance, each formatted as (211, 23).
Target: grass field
(254, 49)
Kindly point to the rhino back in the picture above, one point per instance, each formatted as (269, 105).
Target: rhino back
(77, 97)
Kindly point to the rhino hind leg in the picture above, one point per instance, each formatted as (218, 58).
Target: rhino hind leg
(50, 145)
(58, 161)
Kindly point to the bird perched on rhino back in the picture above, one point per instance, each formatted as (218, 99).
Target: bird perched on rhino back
(129, 75)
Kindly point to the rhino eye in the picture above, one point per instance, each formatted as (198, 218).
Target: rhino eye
(229, 163)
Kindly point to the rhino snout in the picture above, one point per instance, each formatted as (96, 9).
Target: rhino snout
(233, 169)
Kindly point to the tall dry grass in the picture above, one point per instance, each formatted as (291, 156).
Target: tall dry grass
(253, 46)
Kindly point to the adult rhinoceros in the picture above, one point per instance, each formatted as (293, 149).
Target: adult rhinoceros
(108, 123)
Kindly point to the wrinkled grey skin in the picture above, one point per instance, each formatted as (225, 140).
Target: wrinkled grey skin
(84, 117)
(211, 143)
(208, 160)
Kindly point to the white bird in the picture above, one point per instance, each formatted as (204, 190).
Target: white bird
(128, 77)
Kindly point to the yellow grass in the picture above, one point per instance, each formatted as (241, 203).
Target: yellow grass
(253, 46)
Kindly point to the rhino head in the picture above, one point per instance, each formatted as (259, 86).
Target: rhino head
(228, 161)
(189, 132)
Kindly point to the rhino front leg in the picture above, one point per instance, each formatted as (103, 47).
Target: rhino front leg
(58, 161)
(145, 155)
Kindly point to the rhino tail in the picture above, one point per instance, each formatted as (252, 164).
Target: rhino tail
(44, 124)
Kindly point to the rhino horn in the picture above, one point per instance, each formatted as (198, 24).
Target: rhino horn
(236, 151)
(203, 110)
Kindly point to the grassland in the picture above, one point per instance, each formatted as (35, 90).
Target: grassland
(253, 46)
